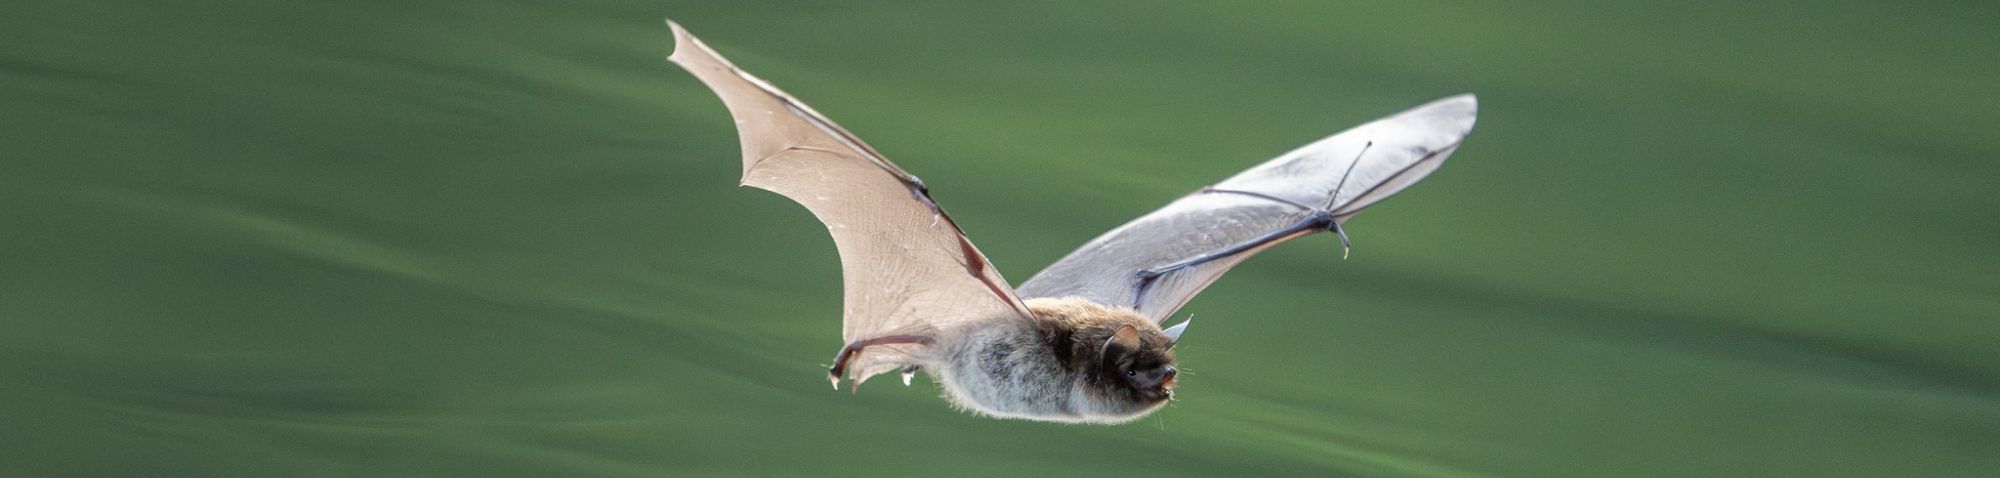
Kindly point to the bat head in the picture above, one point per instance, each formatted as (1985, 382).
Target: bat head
(1124, 362)
(1139, 365)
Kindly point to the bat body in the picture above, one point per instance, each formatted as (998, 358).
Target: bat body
(1061, 367)
(1085, 346)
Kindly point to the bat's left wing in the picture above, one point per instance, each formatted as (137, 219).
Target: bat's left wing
(1157, 262)
(907, 270)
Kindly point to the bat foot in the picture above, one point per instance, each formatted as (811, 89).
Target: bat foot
(852, 349)
(1333, 224)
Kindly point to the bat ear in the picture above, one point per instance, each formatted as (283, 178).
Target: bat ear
(1174, 333)
(1126, 337)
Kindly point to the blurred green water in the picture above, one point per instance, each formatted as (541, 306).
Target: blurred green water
(503, 239)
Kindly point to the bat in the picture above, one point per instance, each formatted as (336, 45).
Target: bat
(1080, 342)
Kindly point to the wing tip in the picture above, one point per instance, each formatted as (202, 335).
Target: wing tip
(684, 43)
(1453, 114)
(1468, 98)
(1465, 103)
(1471, 103)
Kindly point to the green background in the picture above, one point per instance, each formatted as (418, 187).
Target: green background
(457, 238)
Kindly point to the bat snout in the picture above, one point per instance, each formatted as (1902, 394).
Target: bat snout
(1157, 378)
(1155, 385)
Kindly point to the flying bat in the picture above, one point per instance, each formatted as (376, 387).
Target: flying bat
(1080, 342)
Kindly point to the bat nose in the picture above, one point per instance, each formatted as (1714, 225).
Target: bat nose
(1157, 377)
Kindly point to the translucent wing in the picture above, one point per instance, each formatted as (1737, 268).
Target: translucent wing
(1158, 261)
(907, 270)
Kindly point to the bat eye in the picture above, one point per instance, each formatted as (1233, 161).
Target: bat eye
(1131, 373)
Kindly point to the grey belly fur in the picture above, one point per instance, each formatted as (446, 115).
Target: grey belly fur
(1003, 369)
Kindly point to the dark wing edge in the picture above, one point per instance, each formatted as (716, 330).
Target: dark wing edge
(898, 248)
(1158, 262)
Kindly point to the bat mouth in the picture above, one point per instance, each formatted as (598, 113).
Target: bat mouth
(1160, 393)
(1160, 389)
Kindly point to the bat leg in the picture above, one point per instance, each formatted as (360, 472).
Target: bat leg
(852, 349)
(1319, 219)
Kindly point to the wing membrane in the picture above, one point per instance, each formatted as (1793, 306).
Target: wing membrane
(1191, 242)
(905, 266)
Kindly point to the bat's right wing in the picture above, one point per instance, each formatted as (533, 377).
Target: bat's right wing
(906, 268)
(1159, 261)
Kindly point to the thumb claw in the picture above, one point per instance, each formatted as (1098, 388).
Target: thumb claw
(835, 379)
(1346, 246)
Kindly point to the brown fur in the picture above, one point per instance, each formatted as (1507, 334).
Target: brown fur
(1077, 330)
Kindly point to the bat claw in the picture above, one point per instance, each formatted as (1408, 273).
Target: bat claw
(835, 379)
(1346, 245)
(909, 373)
